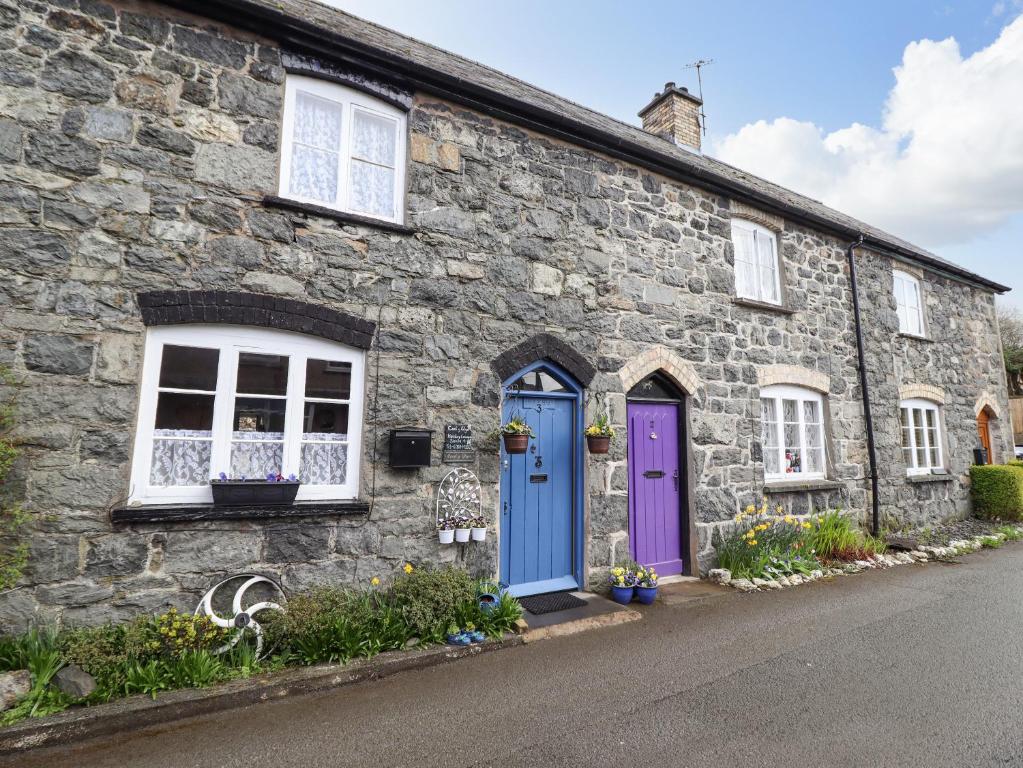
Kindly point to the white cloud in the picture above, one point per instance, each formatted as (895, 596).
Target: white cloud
(945, 166)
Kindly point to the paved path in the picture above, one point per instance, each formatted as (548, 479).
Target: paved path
(919, 665)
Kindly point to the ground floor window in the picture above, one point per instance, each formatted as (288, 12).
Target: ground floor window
(247, 403)
(921, 437)
(792, 433)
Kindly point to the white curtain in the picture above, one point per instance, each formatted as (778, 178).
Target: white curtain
(316, 148)
(180, 462)
(373, 158)
(324, 463)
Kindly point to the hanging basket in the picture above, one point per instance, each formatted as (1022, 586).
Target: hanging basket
(516, 443)
(598, 443)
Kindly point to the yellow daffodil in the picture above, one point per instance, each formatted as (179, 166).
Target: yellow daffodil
(806, 524)
(408, 568)
(375, 581)
(752, 542)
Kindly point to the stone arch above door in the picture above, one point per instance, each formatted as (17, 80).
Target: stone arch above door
(987, 403)
(662, 359)
(543, 346)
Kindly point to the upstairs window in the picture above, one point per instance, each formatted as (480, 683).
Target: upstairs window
(921, 437)
(792, 433)
(246, 402)
(342, 149)
(757, 272)
(908, 304)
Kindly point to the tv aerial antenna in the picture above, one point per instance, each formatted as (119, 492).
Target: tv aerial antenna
(698, 65)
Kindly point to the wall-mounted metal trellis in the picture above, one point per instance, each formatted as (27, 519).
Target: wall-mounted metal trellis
(459, 495)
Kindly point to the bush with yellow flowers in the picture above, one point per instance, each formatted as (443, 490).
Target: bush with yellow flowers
(180, 633)
(766, 545)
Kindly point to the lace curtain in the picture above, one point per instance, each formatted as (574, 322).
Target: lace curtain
(315, 148)
(187, 462)
(373, 180)
(324, 463)
(181, 462)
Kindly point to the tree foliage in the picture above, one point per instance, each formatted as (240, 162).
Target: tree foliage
(1010, 323)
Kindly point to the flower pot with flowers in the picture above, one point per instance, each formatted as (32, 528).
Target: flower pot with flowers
(479, 528)
(623, 584)
(646, 585)
(516, 433)
(599, 435)
(446, 530)
(463, 528)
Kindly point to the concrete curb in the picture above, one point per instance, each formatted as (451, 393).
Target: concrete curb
(138, 712)
(582, 625)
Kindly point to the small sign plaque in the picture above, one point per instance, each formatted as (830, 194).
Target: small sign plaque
(458, 448)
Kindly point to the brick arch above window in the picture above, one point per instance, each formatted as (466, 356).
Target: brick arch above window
(986, 402)
(544, 346)
(922, 392)
(661, 359)
(769, 220)
(796, 375)
(255, 309)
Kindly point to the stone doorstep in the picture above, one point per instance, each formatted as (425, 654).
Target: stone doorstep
(135, 712)
(597, 613)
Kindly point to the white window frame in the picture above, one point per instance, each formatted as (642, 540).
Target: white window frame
(778, 393)
(909, 303)
(350, 101)
(759, 237)
(920, 406)
(231, 341)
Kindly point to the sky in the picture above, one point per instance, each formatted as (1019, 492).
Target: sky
(907, 115)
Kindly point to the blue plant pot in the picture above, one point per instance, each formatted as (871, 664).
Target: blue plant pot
(646, 595)
(622, 595)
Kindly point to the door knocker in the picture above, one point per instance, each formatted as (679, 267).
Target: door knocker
(653, 435)
(539, 462)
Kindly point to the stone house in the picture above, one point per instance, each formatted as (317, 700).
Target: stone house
(251, 236)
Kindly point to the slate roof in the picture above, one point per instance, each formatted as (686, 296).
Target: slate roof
(306, 22)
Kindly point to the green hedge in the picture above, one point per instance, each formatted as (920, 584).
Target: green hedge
(998, 491)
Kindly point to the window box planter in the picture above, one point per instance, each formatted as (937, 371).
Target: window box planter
(516, 443)
(598, 443)
(239, 493)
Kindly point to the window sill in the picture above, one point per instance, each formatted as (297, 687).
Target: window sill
(766, 306)
(188, 513)
(804, 485)
(272, 201)
(915, 337)
(929, 478)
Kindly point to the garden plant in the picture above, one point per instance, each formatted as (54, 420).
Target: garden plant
(770, 546)
(324, 625)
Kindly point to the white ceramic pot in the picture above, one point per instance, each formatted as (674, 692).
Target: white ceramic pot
(446, 537)
(479, 534)
(462, 535)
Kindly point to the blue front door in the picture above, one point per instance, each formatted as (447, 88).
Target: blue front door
(538, 497)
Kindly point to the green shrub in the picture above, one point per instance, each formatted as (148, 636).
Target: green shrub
(833, 533)
(429, 598)
(180, 633)
(997, 491)
(761, 546)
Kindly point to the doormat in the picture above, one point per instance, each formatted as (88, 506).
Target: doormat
(551, 602)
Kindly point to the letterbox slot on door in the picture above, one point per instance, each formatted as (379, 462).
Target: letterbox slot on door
(540, 478)
(654, 474)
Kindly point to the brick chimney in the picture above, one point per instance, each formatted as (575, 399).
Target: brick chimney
(674, 114)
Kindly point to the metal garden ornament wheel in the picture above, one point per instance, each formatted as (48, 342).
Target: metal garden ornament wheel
(242, 620)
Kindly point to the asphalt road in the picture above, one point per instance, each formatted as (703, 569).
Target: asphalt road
(914, 666)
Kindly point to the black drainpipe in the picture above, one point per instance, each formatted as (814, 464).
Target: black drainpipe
(861, 355)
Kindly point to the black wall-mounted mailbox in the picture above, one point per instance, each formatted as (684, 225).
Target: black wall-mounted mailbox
(410, 448)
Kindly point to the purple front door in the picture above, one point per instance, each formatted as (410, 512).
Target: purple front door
(655, 477)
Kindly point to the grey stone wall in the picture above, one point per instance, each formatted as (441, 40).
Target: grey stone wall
(136, 146)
